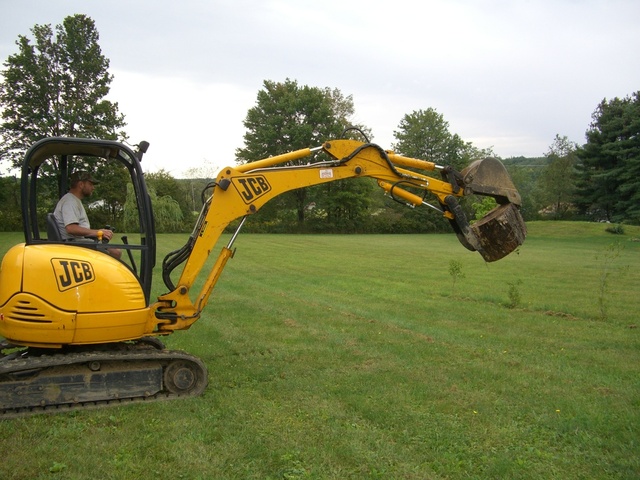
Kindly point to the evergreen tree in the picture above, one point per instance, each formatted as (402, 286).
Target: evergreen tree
(609, 169)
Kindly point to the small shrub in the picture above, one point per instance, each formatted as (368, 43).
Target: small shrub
(608, 267)
(455, 270)
(615, 229)
(515, 298)
(57, 467)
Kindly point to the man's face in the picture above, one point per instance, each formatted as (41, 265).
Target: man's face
(87, 188)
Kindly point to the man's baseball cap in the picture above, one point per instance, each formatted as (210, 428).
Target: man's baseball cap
(83, 177)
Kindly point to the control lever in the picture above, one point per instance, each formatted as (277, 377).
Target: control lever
(125, 240)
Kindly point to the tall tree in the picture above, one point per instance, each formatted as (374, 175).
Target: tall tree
(289, 117)
(167, 214)
(609, 184)
(558, 178)
(425, 134)
(56, 86)
(627, 148)
(165, 185)
(10, 218)
(107, 207)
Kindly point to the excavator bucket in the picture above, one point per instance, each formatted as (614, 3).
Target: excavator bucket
(502, 230)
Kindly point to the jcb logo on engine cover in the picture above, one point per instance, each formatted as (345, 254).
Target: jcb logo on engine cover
(251, 188)
(71, 273)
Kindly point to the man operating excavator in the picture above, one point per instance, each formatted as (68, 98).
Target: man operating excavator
(71, 217)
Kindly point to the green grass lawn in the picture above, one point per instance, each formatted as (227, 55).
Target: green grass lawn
(354, 356)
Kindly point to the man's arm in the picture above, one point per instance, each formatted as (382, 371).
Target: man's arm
(78, 231)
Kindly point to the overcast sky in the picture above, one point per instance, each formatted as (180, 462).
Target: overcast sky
(504, 74)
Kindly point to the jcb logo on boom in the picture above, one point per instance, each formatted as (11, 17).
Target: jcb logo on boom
(251, 188)
(71, 273)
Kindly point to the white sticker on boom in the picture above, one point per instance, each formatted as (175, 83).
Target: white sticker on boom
(326, 173)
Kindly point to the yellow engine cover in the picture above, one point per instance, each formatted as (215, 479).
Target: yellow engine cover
(60, 294)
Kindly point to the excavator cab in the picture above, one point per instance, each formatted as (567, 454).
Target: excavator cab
(53, 292)
(45, 174)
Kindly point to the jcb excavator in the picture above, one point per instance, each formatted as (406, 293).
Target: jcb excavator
(80, 329)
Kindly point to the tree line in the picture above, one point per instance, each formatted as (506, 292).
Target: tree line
(56, 84)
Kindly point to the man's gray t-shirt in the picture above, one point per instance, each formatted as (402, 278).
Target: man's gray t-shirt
(70, 210)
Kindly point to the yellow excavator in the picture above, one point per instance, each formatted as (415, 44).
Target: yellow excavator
(78, 326)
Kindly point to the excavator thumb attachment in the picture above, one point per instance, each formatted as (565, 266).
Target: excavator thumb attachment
(502, 230)
(489, 177)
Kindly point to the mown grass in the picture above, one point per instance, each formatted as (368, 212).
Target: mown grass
(351, 357)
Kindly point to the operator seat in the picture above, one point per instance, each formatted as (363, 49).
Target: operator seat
(53, 233)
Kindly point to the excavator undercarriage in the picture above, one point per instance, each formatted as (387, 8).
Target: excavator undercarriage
(41, 381)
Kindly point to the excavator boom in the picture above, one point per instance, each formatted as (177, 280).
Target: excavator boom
(243, 190)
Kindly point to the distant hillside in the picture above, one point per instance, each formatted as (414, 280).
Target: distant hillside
(526, 161)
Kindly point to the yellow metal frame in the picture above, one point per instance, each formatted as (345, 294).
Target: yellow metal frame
(243, 190)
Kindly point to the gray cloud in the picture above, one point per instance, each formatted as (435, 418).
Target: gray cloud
(507, 74)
